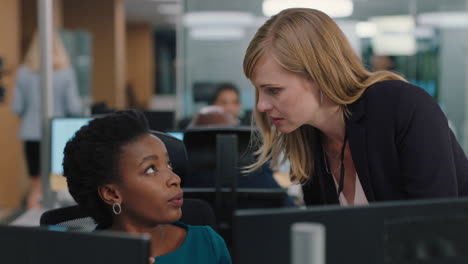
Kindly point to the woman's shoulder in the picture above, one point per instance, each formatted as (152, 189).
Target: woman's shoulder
(400, 97)
(391, 96)
(387, 89)
(25, 70)
(202, 233)
(199, 230)
(208, 244)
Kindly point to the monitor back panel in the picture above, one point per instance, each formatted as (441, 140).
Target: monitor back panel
(28, 245)
(353, 234)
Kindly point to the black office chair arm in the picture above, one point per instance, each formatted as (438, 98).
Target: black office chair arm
(194, 212)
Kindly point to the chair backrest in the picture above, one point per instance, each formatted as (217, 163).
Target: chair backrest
(160, 120)
(201, 144)
(177, 153)
(202, 147)
(72, 217)
(198, 212)
(216, 156)
(194, 212)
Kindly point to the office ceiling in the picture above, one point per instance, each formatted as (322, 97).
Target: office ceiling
(366, 8)
(152, 11)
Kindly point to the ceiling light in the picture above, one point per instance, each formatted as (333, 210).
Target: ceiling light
(333, 8)
(366, 29)
(424, 32)
(169, 8)
(444, 19)
(394, 35)
(196, 19)
(165, 1)
(218, 25)
(217, 33)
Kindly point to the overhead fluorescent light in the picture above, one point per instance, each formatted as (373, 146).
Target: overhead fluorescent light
(196, 19)
(394, 35)
(444, 19)
(218, 25)
(217, 33)
(366, 29)
(333, 8)
(424, 32)
(169, 8)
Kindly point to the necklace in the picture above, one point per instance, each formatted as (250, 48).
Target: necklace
(325, 158)
(340, 165)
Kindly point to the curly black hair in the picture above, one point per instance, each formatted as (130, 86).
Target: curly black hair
(221, 88)
(91, 159)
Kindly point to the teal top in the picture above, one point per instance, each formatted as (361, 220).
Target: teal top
(202, 245)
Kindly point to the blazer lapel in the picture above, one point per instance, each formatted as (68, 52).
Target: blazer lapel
(355, 127)
(320, 189)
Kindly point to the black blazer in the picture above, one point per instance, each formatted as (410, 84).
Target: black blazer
(401, 146)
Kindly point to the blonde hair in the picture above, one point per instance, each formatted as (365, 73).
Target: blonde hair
(306, 42)
(59, 54)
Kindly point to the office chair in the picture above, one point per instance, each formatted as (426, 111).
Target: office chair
(194, 212)
(204, 156)
(160, 120)
(177, 154)
(216, 156)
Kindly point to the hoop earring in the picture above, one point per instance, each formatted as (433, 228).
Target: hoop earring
(116, 208)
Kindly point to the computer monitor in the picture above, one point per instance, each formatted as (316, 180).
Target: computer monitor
(62, 129)
(25, 245)
(177, 134)
(423, 231)
(203, 91)
(160, 120)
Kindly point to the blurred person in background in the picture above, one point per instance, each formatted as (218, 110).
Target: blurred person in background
(383, 63)
(27, 105)
(227, 96)
(213, 115)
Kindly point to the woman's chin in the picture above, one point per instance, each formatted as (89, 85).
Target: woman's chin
(286, 129)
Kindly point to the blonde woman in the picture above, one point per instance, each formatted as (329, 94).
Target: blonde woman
(27, 105)
(352, 137)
